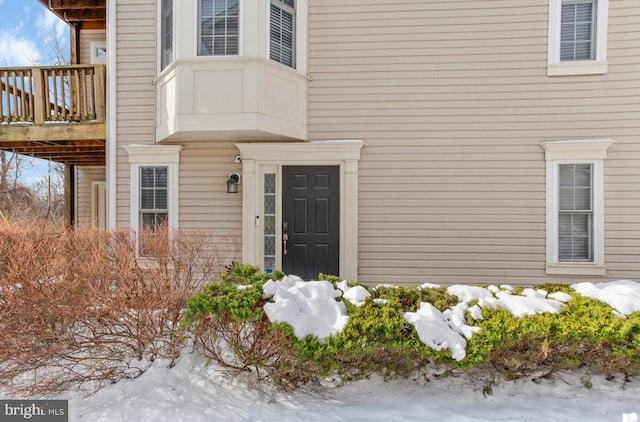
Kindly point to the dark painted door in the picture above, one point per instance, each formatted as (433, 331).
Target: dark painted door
(310, 220)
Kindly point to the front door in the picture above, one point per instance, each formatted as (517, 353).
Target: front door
(310, 220)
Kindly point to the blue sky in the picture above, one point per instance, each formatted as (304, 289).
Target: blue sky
(27, 34)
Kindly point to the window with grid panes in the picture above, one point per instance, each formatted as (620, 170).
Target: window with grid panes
(153, 197)
(577, 30)
(218, 27)
(575, 213)
(282, 32)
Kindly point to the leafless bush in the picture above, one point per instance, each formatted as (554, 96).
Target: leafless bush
(79, 309)
(242, 346)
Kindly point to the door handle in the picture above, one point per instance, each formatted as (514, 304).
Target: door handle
(285, 238)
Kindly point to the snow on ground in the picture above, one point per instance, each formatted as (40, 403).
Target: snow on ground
(193, 391)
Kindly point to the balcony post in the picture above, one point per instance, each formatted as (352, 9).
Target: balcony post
(99, 89)
(38, 95)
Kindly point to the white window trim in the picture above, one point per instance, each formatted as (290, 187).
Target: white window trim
(581, 67)
(592, 151)
(259, 158)
(153, 156)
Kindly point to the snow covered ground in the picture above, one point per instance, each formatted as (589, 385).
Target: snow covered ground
(192, 391)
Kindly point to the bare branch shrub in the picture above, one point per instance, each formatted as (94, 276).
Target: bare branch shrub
(240, 346)
(79, 309)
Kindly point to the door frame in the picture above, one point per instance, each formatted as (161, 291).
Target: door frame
(261, 158)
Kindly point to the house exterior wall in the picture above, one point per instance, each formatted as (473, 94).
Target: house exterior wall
(85, 177)
(453, 101)
(135, 93)
(88, 36)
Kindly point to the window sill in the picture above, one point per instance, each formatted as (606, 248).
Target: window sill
(577, 68)
(576, 269)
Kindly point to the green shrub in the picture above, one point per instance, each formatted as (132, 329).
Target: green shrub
(378, 339)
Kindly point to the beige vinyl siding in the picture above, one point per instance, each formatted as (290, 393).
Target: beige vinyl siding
(86, 37)
(204, 201)
(85, 177)
(452, 100)
(136, 69)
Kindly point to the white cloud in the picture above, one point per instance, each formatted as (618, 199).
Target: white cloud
(18, 51)
(49, 24)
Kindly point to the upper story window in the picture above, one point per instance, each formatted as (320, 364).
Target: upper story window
(577, 30)
(218, 27)
(282, 32)
(166, 33)
(577, 37)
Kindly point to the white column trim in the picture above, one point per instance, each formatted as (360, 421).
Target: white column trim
(111, 139)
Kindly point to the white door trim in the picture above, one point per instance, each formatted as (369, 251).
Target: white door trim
(256, 157)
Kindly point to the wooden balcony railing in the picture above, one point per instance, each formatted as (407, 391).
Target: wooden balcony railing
(62, 94)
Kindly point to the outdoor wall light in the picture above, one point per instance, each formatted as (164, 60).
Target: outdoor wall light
(232, 183)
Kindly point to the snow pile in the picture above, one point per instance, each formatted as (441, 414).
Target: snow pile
(448, 329)
(356, 295)
(310, 307)
(622, 295)
(435, 332)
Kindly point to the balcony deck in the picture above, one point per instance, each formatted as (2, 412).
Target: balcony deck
(54, 112)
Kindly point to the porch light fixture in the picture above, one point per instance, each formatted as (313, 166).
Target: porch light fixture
(232, 183)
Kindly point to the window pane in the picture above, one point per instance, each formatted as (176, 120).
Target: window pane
(220, 26)
(146, 200)
(232, 45)
(220, 7)
(206, 8)
(568, 13)
(583, 12)
(147, 177)
(206, 27)
(582, 175)
(161, 199)
(580, 225)
(161, 177)
(583, 51)
(219, 46)
(148, 220)
(206, 46)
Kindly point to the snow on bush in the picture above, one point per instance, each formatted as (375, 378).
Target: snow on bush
(312, 308)
(622, 295)
(309, 307)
